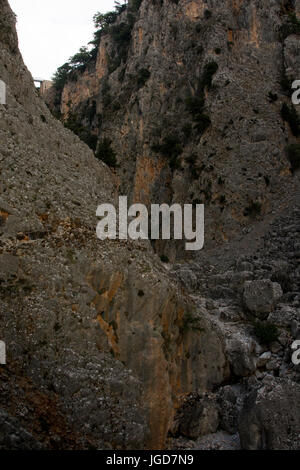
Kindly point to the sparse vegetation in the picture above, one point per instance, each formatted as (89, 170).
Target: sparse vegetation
(272, 97)
(104, 24)
(207, 14)
(286, 83)
(290, 115)
(253, 210)
(106, 153)
(74, 124)
(209, 71)
(291, 26)
(191, 322)
(135, 4)
(170, 148)
(266, 332)
(293, 152)
(142, 77)
(196, 104)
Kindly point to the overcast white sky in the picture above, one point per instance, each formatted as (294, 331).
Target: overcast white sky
(51, 31)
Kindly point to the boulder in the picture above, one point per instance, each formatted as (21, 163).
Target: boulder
(261, 296)
(229, 403)
(198, 416)
(240, 354)
(270, 417)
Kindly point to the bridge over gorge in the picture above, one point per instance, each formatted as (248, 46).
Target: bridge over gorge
(44, 84)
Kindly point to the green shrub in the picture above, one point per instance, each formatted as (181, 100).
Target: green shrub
(266, 332)
(121, 33)
(61, 76)
(75, 125)
(209, 70)
(273, 97)
(104, 24)
(142, 77)
(164, 259)
(81, 59)
(106, 153)
(202, 122)
(253, 209)
(170, 148)
(289, 114)
(191, 322)
(291, 26)
(286, 83)
(195, 104)
(103, 21)
(293, 152)
(135, 4)
(192, 159)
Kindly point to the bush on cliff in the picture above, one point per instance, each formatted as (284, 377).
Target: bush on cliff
(106, 153)
(293, 151)
(290, 115)
(291, 26)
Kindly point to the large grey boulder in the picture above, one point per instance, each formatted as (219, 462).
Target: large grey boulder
(198, 416)
(261, 296)
(229, 400)
(240, 352)
(270, 418)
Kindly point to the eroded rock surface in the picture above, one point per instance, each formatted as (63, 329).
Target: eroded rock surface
(103, 340)
(101, 329)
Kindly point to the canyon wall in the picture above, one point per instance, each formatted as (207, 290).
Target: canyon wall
(102, 341)
(192, 104)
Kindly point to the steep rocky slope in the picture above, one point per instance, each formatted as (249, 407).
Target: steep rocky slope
(191, 100)
(100, 339)
(106, 347)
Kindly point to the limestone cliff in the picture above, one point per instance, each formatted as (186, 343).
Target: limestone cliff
(106, 346)
(191, 101)
(101, 339)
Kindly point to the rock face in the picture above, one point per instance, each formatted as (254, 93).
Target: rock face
(106, 346)
(270, 417)
(197, 417)
(101, 339)
(261, 296)
(191, 102)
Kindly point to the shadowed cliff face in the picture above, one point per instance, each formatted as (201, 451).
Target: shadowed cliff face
(188, 108)
(99, 332)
